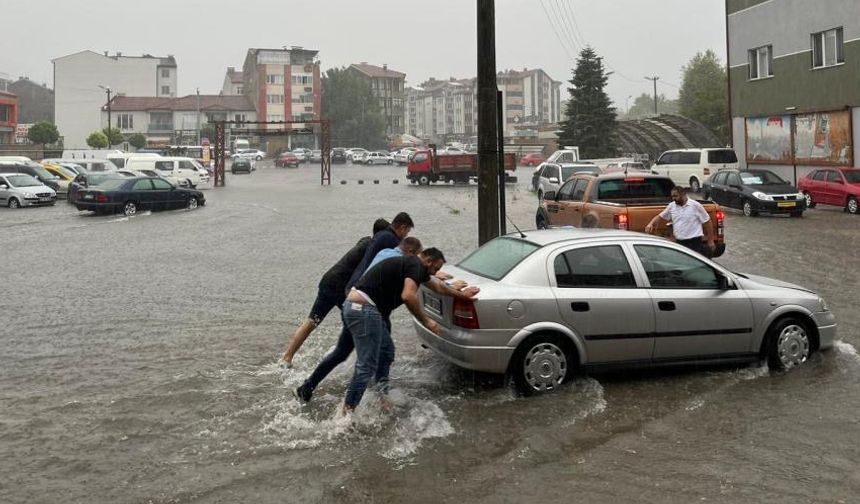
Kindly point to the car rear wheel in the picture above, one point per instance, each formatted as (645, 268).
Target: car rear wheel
(540, 364)
(809, 202)
(748, 209)
(540, 222)
(192, 203)
(695, 186)
(423, 180)
(789, 344)
(14, 203)
(129, 208)
(851, 206)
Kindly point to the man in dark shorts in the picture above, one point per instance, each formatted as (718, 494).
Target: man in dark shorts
(331, 290)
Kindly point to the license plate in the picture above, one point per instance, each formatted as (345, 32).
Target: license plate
(786, 204)
(433, 303)
(88, 196)
(44, 199)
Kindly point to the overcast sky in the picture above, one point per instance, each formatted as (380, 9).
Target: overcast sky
(418, 37)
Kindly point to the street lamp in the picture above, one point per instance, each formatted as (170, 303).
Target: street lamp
(107, 90)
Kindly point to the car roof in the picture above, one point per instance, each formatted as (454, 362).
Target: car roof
(544, 237)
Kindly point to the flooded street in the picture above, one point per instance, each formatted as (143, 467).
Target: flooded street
(139, 364)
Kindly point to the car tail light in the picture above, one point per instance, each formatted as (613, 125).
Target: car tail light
(101, 198)
(465, 314)
(634, 180)
(721, 217)
(706, 171)
(620, 221)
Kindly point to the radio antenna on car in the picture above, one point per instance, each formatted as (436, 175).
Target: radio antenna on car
(522, 235)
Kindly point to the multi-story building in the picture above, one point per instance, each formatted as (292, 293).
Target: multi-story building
(388, 87)
(531, 97)
(8, 117)
(233, 83)
(35, 101)
(283, 84)
(81, 79)
(794, 83)
(174, 120)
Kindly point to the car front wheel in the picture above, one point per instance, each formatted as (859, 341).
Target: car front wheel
(789, 344)
(851, 206)
(14, 203)
(129, 208)
(748, 209)
(540, 364)
(809, 202)
(192, 203)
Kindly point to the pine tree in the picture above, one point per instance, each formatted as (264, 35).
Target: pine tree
(590, 122)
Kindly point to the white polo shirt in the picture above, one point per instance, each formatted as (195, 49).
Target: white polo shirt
(686, 219)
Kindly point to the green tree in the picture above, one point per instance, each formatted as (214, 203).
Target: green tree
(97, 140)
(114, 136)
(355, 115)
(43, 133)
(590, 122)
(137, 140)
(704, 93)
(643, 106)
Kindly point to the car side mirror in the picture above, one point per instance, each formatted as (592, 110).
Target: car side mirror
(553, 180)
(723, 282)
(4, 186)
(550, 195)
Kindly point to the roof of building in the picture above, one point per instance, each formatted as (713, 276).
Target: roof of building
(665, 132)
(377, 71)
(189, 102)
(169, 61)
(10, 95)
(235, 76)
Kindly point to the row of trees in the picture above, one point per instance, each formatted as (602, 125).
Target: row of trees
(103, 138)
(591, 120)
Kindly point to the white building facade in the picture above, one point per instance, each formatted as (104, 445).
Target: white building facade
(80, 79)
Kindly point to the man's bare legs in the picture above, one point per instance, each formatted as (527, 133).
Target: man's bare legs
(299, 338)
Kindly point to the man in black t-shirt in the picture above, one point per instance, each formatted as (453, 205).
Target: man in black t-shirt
(331, 290)
(389, 238)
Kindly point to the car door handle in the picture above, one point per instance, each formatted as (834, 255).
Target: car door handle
(666, 305)
(579, 306)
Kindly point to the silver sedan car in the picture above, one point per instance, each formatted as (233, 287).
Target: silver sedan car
(559, 300)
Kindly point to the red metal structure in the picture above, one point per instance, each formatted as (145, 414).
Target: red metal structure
(239, 128)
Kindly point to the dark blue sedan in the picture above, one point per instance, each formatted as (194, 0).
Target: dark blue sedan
(130, 195)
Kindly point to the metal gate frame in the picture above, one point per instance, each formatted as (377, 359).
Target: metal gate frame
(324, 133)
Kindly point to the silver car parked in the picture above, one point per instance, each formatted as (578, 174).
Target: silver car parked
(20, 190)
(551, 176)
(553, 301)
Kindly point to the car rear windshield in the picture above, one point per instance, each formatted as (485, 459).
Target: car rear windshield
(498, 257)
(635, 188)
(853, 177)
(722, 156)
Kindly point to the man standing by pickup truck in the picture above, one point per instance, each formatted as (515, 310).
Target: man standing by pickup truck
(688, 219)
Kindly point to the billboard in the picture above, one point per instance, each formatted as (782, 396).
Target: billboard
(769, 139)
(823, 138)
(21, 131)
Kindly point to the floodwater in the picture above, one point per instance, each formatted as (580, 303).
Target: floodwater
(138, 363)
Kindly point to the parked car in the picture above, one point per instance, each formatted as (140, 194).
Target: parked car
(449, 150)
(691, 167)
(355, 152)
(832, 186)
(402, 156)
(532, 159)
(560, 301)
(34, 170)
(63, 174)
(316, 156)
(338, 155)
(241, 165)
(179, 171)
(754, 191)
(302, 153)
(552, 175)
(129, 195)
(287, 159)
(20, 190)
(254, 154)
(88, 164)
(376, 157)
(85, 180)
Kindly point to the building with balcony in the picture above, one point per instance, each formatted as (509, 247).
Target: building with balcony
(794, 83)
(388, 87)
(166, 121)
(283, 85)
(531, 97)
(8, 117)
(80, 80)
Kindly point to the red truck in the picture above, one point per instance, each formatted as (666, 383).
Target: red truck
(427, 166)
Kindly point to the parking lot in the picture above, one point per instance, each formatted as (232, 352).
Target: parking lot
(139, 364)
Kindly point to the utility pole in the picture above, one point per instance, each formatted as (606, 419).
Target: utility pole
(198, 117)
(107, 90)
(654, 80)
(488, 168)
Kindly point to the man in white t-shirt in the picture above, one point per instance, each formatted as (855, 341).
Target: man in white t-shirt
(688, 218)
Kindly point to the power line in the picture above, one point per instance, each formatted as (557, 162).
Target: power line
(552, 25)
(576, 31)
(566, 28)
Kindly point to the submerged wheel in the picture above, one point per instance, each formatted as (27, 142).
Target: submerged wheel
(423, 180)
(192, 203)
(129, 208)
(540, 364)
(788, 344)
(14, 203)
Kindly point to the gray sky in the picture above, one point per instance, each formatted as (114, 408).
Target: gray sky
(421, 38)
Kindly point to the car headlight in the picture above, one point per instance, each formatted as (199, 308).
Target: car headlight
(29, 195)
(762, 196)
(822, 304)
(800, 196)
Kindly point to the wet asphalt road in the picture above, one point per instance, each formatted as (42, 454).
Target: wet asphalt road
(138, 364)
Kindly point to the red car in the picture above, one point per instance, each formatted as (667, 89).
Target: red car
(832, 186)
(287, 159)
(532, 159)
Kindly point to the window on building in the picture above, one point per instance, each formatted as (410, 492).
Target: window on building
(827, 48)
(274, 98)
(165, 90)
(302, 80)
(275, 117)
(5, 113)
(761, 62)
(239, 89)
(165, 72)
(275, 79)
(240, 117)
(125, 121)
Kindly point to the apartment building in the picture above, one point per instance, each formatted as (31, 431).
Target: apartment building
(35, 101)
(794, 83)
(233, 83)
(388, 87)
(283, 84)
(8, 117)
(530, 96)
(81, 79)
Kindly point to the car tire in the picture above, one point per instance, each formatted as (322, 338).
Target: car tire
(695, 186)
(259, 158)
(541, 364)
(192, 203)
(188, 184)
(129, 208)
(809, 202)
(748, 209)
(788, 344)
(14, 203)
(851, 206)
(540, 222)
(423, 180)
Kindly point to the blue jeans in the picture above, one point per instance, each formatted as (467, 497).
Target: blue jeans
(373, 347)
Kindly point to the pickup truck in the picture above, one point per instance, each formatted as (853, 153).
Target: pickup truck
(427, 166)
(619, 201)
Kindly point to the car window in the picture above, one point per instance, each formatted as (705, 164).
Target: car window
(668, 268)
(142, 185)
(719, 178)
(187, 165)
(579, 189)
(722, 156)
(689, 157)
(833, 176)
(164, 165)
(497, 257)
(733, 179)
(852, 177)
(419, 157)
(566, 191)
(635, 187)
(161, 184)
(819, 175)
(603, 266)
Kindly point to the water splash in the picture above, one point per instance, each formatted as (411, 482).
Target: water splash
(847, 349)
(590, 400)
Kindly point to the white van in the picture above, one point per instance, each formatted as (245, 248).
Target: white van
(691, 167)
(89, 153)
(180, 171)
